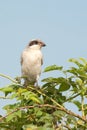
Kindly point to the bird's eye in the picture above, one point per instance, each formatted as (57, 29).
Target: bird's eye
(33, 43)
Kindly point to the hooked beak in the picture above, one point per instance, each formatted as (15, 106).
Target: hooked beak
(43, 44)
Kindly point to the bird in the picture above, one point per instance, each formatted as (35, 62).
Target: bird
(31, 61)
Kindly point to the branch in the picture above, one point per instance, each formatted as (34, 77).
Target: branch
(42, 93)
(4, 97)
(67, 127)
(45, 105)
(8, 77)
(73, 114)
(68, 99)
(58, 106)
(82, 106)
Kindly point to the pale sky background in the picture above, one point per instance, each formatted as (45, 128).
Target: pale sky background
(61, 24)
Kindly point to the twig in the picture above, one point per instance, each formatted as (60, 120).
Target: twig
(8, 77)
(67, 127)
(82, 106)
(4, 97)
(68, 99)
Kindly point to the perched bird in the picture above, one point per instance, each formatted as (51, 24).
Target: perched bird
(31, 61)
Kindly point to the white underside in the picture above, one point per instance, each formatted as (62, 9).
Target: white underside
(31, 65)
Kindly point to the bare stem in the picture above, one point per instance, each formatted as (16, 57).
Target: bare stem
(82, 101)
(1, 97)
(68, 99)
(8, 77)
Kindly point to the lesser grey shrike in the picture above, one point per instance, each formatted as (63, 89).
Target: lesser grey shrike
(31, 61)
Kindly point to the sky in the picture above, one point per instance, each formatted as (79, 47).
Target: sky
(61, 24)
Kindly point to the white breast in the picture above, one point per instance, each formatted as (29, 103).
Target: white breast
(31, 65)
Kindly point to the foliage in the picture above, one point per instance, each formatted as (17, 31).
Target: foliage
(44, 108)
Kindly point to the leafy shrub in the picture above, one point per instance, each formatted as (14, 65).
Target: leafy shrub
(43, 107)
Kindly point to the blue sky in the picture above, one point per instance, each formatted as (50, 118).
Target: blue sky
(61, 24)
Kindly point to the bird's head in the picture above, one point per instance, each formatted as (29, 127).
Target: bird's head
(36, 44)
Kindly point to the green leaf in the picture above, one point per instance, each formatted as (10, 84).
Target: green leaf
(18, 113)
(14, 95)
(71, 119)
(6, 89)
(35, 99)
(59, 113)
(27, 94)
(53, 67)
(30, 96)
(83, 60)
(4, 125)
(14, 114)
(77, 103)
(77, 62)
(39, 113)
(64, 86)
(10, 117)
(44, 128)
(50, 80)
(54, 80)
(73, 70)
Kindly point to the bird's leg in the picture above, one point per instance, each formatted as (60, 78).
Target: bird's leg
(36, 84)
